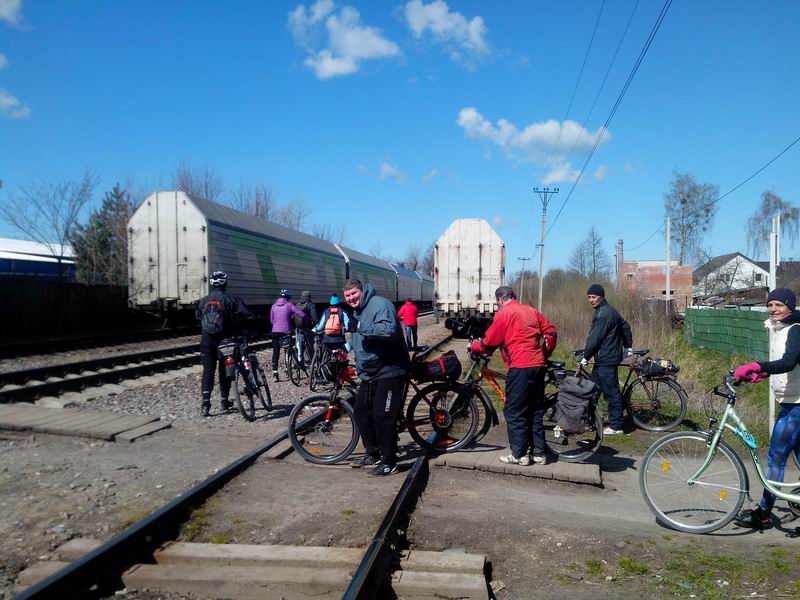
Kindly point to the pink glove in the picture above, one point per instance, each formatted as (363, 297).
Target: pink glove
(746, 372)
(477, 347)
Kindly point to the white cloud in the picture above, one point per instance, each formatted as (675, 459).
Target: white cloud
(430, 175)
(464, 39)
(534, 142)
(3, 62)
(349, 41)
(498, 221)
(630, 168)
(11, 11)
(389, 170)
(563, 173)
(600, 173)
(12, 107)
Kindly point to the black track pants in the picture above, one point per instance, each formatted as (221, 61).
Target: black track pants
(378, 407)
(210, 358)
(524, 410)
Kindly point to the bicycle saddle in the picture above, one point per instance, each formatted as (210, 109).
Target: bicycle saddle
(556, 364)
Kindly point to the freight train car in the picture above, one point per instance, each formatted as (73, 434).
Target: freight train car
(177, 240)
(469, 265)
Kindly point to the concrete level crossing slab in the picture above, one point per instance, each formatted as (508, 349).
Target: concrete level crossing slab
(490, 461)
(134, 434)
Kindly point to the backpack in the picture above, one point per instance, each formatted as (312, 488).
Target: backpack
(300, 321)
(572, 409)
(446, 367)
(334, 324)
(213, 319)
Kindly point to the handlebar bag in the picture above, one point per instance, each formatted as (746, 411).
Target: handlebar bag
(445, 367)
(658, 366)
(572, 409)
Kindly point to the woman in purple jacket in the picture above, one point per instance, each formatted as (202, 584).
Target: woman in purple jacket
(280, 315)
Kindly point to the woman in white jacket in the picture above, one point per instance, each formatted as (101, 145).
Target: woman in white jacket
(784, 368)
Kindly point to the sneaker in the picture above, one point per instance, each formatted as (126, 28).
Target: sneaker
(522, 461)
(757, 518)
(611, 431)
(538, 459)
(206, 410)
(364, 461)
(275, 376)
(225, 405)
(382, 470)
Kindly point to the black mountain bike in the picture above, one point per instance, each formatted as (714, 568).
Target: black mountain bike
(246, 375)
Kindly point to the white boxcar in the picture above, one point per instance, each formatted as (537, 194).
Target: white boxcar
(469, 266)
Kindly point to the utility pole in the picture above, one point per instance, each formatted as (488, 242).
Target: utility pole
(522, 285)
(774, 263)
(545, 195)
(667, 267)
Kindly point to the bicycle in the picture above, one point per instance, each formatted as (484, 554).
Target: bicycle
(241, 364)
(654, 400)
(322, 356)
(323, 429)
(570, 447)
(695, 482)
(291, 362)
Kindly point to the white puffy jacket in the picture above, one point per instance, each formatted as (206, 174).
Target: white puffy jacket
(786, 386)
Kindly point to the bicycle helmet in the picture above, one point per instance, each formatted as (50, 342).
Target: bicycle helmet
(286, 294)
(218, 279)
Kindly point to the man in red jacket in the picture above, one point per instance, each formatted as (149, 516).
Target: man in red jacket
(408, 312)
(525, 338)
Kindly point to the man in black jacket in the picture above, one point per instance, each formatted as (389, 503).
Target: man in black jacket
(305, 326)
(218, 314)
(610, 333)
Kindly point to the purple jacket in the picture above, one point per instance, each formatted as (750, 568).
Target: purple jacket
(281, 315)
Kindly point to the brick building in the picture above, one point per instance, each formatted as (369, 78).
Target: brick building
(648, 279)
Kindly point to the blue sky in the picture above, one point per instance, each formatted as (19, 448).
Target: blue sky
(398, 117)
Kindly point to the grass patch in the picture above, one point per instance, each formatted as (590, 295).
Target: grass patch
(219, 538)
(692, 570)
(631, 566)
(348, 512)
(196, 526)
(595, 568)
(236, 521)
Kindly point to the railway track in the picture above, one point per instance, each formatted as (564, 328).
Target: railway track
(63, 344)
(99, 572)
(29, 384)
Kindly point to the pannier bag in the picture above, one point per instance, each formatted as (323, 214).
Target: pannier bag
(658, 366)
(447, 366)
(572, 409)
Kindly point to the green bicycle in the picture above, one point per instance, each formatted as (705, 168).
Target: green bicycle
(693, 481)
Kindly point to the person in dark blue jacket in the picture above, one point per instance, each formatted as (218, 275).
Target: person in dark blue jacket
(383, 365)
(609, 335)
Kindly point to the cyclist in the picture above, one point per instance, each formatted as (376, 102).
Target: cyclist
(525, 338)
(280, 315)
(609, 334)
(305, 338)
(784, 366)
(383, 366)
(333, 324)
(218, 313)
(408, 313)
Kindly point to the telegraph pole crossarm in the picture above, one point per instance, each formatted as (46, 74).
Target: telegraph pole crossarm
(545, 195)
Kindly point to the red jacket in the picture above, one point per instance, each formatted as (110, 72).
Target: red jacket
(518, 329)
(408, 312)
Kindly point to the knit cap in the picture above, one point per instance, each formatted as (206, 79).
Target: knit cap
(596, 290)
(784, 295)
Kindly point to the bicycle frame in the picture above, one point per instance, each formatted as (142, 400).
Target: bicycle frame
(740, 430)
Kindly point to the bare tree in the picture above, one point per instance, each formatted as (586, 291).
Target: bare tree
(427, 261)
(48, 212)
(201, 182)
(690, 206)
(599, 263)
(293, 215)
(326, 231)
(256, 199)
(578, 262)
(413, 257)
(376, 251)
(759, 225)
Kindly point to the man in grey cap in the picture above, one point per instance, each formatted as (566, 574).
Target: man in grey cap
(609, 334)
(306, 338)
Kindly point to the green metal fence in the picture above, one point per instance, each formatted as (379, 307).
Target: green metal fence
(739, 331)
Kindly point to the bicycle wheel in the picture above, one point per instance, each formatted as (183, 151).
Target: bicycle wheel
(656, 404)
(313, 371)
(246, 405)
(323, 432)
(264, 394)
(706, 505)
(571, 447)
(485, 412)
(292, 366)
(449, 411)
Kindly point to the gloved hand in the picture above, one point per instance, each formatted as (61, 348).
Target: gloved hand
(747, 372)
(477, 347)
(584, 362)
(628, 351)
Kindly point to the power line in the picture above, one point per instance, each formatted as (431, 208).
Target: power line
(622, 93)
(575, 89)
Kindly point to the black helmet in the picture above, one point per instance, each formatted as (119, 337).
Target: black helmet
(218, 279)
(286, 293)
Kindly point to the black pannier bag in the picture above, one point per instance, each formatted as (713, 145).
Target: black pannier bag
(572, 409)
(446, 367)
(658, 366)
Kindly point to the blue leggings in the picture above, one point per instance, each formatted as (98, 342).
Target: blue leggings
(785, 440)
